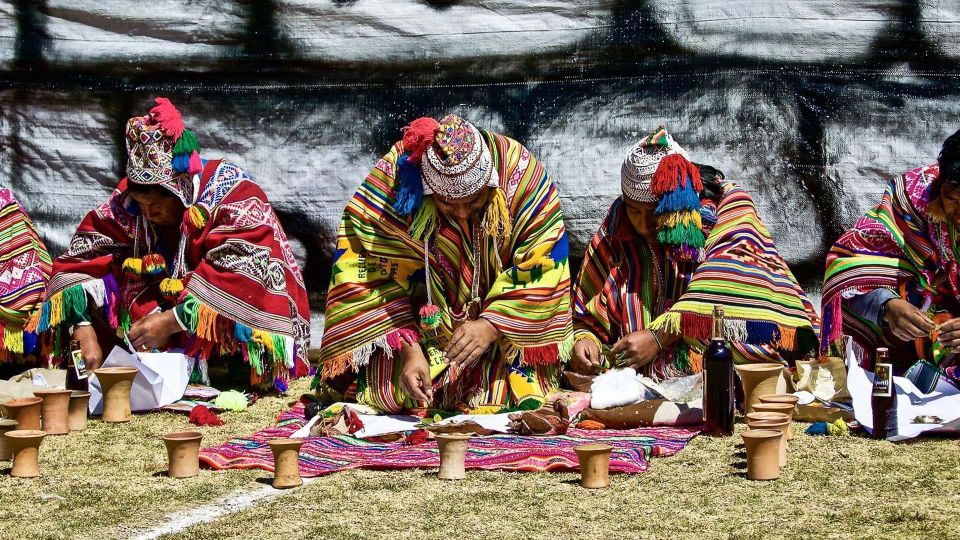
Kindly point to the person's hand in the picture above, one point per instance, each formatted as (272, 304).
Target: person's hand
(586, 357)
(950, 334)
(639, 348)
(89, 346)
(415, 374)
(906, 321)
(153, 331)
(469, 341)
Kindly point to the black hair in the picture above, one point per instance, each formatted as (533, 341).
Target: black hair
(949, 160)
(712, 178)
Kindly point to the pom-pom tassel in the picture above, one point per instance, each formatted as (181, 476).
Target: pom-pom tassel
(154, 264)
(410, 191)
(165, 114)
(496, 221)
(181, 163)
(132, 266)
(171, 287)
(186, 144)
(418, 136)
(675, 172)
(195, 164)
(429, 317)
(198, 216)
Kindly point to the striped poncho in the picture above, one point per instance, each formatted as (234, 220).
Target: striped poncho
(627, 283)
(900, 246)
(378, 282)
(244, 293)
(24, 270)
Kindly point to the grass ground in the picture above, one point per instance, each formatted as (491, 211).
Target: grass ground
(107, 482)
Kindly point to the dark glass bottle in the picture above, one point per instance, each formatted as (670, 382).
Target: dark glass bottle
(718, 397)
(76, 368)
(883, 399)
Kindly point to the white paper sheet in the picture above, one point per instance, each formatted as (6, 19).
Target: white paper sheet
(944, 402)
(383, 425)
(162, 379)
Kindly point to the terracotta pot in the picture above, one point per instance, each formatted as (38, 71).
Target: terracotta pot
(183, 453)
(6, 424)
(594, 465)
(286, 462)
(26, 411)
(759, 380)
(53, 410)
(782, 399)
(776, 421)
(77, 415)
(116, 382)
(763, 453)
(453, 455)
(25, 445)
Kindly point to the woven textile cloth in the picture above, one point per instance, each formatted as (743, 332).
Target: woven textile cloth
(244, 290)
(632, 452)
(24, 270)
(378, 282)
(900, 246)
(627, 283)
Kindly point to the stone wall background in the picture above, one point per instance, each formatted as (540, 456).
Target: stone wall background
(812, 104)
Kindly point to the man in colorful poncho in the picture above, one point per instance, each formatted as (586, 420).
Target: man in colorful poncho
(893, 280)
(464, 227)
(673, 246)
(24, 271)
(188, 253)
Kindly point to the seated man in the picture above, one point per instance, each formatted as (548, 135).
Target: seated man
(893, 280)
(674, 245)
(187, 253)
(24, 271)
(464, 227)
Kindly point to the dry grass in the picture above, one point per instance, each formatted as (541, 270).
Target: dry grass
(103, 484)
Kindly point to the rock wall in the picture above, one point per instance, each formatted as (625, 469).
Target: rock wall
(812, 104)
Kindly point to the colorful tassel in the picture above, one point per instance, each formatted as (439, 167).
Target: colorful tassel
(181, 163)
(418, 136)
(171, 287)
(675, 172)
(429, 317)
(280, 385)
(186, 144)
(169, 118)
(196, 165)
(496, 221)
(132, 266)
(410, 190)
(424, 221)
(198, 215)
(154, 264)
(242, 333)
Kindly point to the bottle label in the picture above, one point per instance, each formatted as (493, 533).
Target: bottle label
(883, 380)
(79, 365)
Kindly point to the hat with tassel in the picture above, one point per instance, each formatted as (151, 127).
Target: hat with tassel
(658, 170)
(162, 151)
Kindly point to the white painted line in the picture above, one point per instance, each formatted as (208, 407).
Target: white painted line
(226, 505)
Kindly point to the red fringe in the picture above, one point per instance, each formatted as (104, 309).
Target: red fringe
(672, 174)
(543, 355)
(398, 338)
(699, 327)
(168, 117)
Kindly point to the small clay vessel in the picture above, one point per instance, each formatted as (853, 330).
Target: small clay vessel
(775, 421)
(26, 411)
(53, 410)
(116, 383)
(77, 415)
(758, 380)
(183, 453)
(763, 453)
(783, 399)
(453, 455)
(286, 462)
(6, 424)
(594, 465)
(25, 445)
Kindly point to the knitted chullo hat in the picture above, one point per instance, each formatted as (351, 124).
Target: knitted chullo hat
(162, 152)
(658, 170)
(450, 159)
